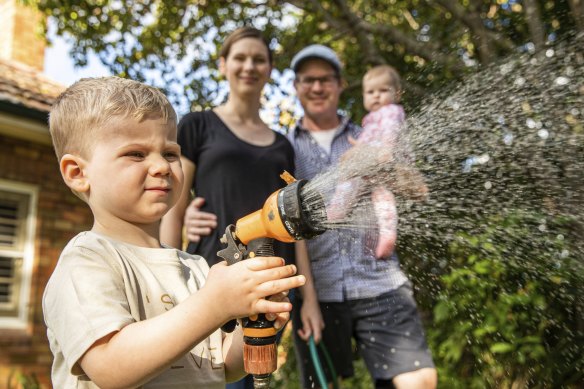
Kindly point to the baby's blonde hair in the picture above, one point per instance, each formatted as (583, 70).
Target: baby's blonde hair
(384, 69)
(89, 104)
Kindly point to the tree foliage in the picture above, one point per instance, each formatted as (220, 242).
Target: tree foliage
(513, 319)
(502, 301)
(430, 42)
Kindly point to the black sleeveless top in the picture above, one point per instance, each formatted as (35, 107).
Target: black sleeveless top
(234, 177)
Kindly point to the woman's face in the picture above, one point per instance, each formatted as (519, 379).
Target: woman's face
(247, 67)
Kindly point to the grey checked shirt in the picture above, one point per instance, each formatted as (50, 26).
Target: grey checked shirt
(342, 260)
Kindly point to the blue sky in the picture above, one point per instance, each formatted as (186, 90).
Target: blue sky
(59, 65)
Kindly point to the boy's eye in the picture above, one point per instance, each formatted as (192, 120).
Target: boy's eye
(171, 156)
(135, 154)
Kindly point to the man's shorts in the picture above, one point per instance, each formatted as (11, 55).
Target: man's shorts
(387, 330)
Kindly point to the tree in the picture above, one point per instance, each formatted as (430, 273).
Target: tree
(501, 237)
(430, 42)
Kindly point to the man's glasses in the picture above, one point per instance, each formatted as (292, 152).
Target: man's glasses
(325, 81)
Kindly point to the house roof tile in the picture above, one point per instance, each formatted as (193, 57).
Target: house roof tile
(25, 86)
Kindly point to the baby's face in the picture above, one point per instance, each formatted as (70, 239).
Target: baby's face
(378, 91)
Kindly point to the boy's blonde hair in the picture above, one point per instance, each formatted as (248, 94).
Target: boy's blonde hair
(90, 103)
(389, 71)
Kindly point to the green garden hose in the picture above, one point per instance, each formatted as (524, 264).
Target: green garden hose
(318, 366)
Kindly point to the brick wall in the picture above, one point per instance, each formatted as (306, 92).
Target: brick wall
(60, 216)
(21, 32)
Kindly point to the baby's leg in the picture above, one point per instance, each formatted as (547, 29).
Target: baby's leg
(386, 212)
(341, 201)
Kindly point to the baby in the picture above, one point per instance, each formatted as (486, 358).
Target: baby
(376, 146)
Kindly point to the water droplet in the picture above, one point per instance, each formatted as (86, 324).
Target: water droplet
(392, 350)
(372, 339)
(488, 185)
(482, 159)
(543, 133)
(506, 68)
(417, 363)
(549, 53)
(530, 123)
(508, 139)
(519, 81)
(562, 81)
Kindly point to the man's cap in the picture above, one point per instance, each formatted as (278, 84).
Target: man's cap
(316, 51)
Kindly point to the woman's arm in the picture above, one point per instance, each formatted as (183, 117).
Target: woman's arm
(172, 223)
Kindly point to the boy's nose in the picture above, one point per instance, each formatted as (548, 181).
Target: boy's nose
(160, 166)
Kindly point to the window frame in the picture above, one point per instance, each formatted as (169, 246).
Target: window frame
(20, 320)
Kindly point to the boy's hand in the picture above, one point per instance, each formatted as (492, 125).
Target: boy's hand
(198, 223)
(280, 319)
(242, 289)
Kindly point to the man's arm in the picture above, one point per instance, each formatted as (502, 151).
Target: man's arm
(312, 322)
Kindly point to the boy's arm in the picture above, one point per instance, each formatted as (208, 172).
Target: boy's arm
(233, 355)
(142, 350)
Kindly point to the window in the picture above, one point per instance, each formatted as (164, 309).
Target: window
(17, 229)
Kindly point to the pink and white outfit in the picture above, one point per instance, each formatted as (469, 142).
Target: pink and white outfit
(381, 129)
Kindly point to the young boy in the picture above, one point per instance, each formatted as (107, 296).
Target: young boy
(121, 310)
(377, 145)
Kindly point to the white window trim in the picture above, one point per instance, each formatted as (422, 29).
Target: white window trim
(22, 320)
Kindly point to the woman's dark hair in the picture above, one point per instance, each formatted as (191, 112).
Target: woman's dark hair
(242, 33)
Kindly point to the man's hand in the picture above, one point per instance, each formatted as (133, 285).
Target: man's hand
(312, 322)
(198, 223)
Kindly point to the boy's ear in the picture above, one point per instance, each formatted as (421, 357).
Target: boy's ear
(73, 172)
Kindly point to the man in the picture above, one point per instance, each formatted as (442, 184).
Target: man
(349, 293)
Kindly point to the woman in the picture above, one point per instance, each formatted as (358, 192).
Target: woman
(230, 157)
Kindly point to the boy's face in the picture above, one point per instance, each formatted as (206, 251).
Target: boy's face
(379, 91)
(134, 171)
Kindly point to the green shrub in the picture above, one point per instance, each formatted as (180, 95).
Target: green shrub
(509, 313)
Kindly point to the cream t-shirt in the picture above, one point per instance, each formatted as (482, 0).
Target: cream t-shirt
(101, 285)
(324, 138)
